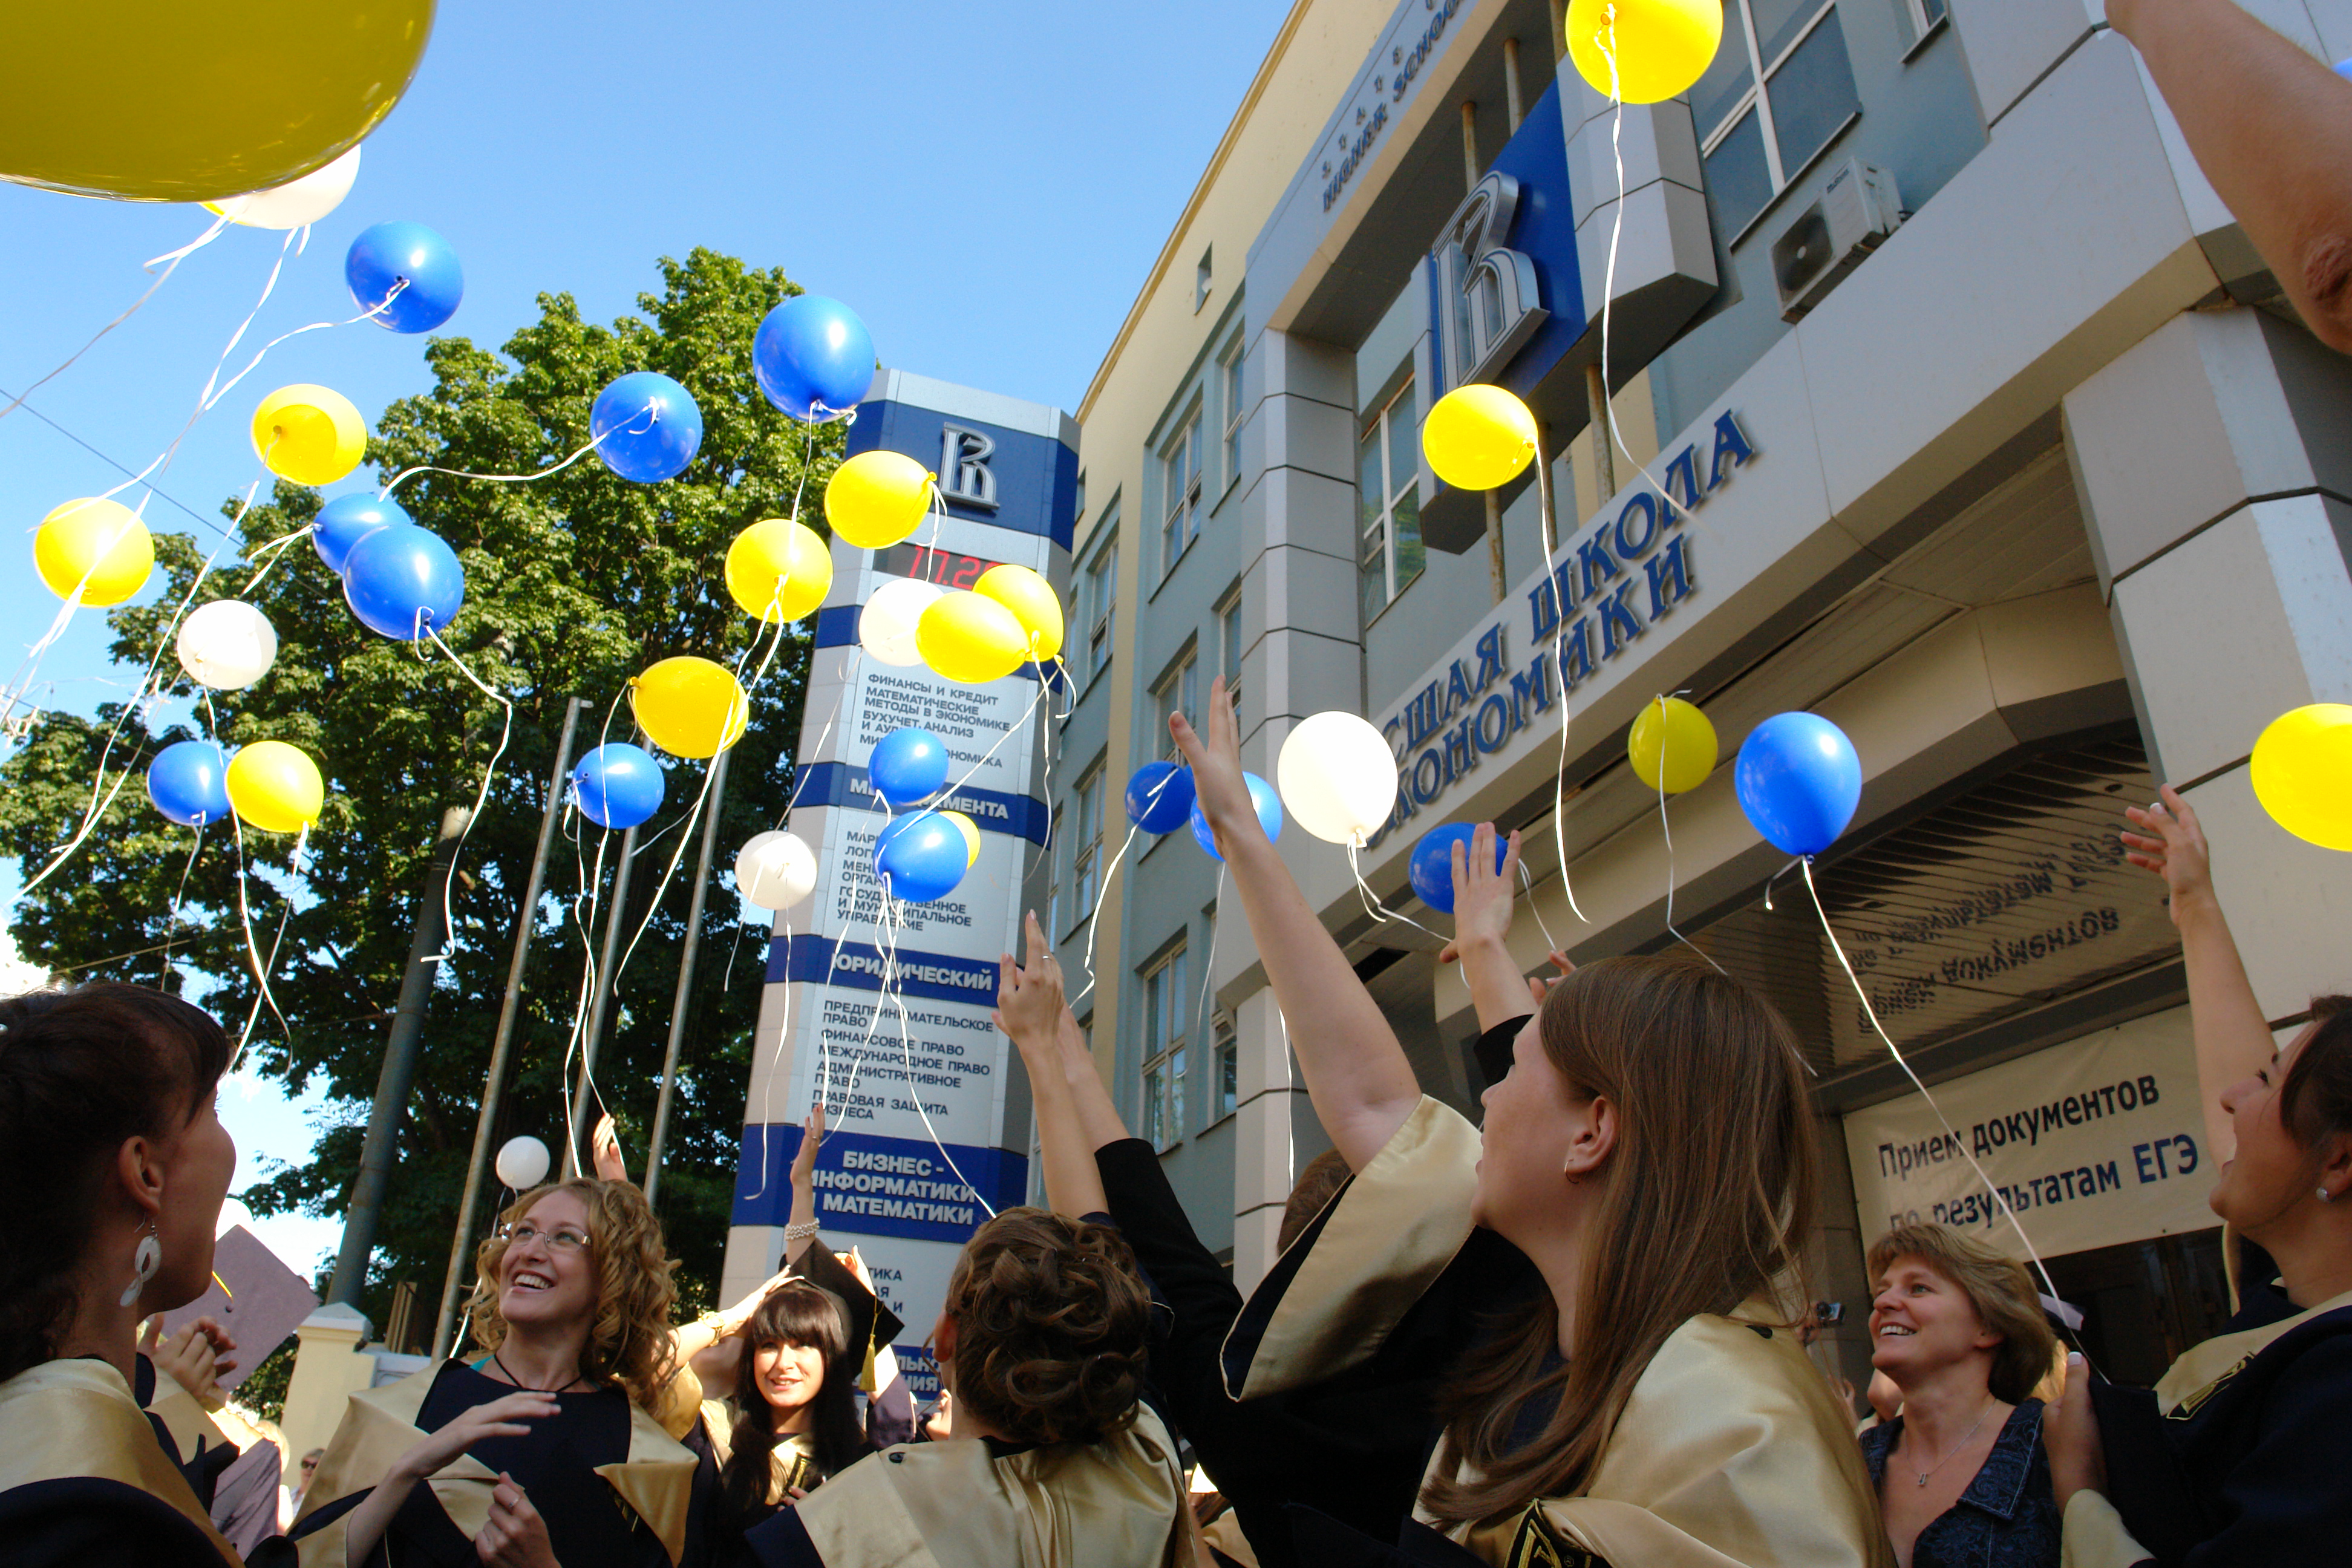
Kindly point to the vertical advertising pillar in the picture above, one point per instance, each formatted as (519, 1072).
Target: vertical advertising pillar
(888, 1015)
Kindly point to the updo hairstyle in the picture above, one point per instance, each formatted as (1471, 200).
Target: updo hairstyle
(1051, 1316)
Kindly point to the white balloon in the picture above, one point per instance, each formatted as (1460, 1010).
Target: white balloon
(228, 645)
(523, 1163)
(1338, 777)
(886, 626)
(775, 870)
(297, 201)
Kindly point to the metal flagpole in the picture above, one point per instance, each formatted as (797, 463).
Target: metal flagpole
(685, 973)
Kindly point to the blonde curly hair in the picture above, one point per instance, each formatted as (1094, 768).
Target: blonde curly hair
(629, 1342)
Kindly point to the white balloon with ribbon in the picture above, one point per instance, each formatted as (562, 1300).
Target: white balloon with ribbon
(775, 870)
(1338, 777)
(227, 645)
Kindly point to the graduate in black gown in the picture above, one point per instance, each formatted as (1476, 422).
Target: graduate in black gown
(560, 1443)
(112, 1169)
(2241, 1452)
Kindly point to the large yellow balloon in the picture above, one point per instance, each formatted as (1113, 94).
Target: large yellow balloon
(1478, 437)
(967, 638)
(275, 788)
(876, 498)
(2302, 772)
(691, 706)
(971, 831)
(310, 435)
(99, 546)
(162, 100)
(1661, 47)
(1674, 741)
(779, 570)
(1031, 599)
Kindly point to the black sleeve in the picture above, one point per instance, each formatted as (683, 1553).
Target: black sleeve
(84, 1522)
(781, 1541)
(1494, 1047)
(890, 1414)
(2284, 1499)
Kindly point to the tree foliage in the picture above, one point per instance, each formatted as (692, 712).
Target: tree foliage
(574, 582)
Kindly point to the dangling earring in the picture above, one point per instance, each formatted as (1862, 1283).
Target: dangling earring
(144, 1264)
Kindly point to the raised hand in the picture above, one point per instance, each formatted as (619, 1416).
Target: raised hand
(605, 1149)
(2172, 844)
(811, 1135)
(1482, 895)
(1538, 987)
(1215, 759)
(507, 1417)
(1029, 1004)
(197, 1358)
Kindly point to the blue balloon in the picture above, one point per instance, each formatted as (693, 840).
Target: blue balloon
(1160, 797)
(1269, 814)
(346, 519)
(1798, 780)
(920, 857)
(618, 784)
(390, 254)
(1432, 867)
(646, 427)
(908, 765)
(401, 579)
(813, 357)
(188, 781)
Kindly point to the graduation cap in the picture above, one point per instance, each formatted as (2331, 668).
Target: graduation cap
(867, 1325)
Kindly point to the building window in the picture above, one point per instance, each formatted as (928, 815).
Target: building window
(1754, 140)
(1234, 411)
(1055, 898)
(1229, 646)
(1085, 881)
(1181, 468)
(1201, 275)
(1225, 1068)
(1165, 1021)
(1178, 691)
(1919, 18)
(1097, 586)
(1078, 512)
(1388, 500)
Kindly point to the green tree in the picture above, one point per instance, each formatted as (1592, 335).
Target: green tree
(573, 583)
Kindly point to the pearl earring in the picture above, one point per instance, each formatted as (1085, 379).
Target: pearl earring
(144, 1264)
(2325, 1195)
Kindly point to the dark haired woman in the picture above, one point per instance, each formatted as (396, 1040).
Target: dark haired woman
(1054, 1462)
(1651, 1154)
(112, 1170)
(2240, 1455)
(557, 1446)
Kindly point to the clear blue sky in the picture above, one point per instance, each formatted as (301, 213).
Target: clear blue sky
(986, 186)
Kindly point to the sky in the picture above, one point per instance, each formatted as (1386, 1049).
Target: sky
(987, 186)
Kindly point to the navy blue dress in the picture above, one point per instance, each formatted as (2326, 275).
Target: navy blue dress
(2007, 1517)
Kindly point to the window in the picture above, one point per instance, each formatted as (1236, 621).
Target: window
(1078, 512)
(1201, 275)
(1234, 410)
(1919, 18)
(1229, 646)
(1225, 1068)
(1166, 1015)
(1755, 143)
(1085, 881)
(1055, 900)
(1178, 691)
(1096, 604)
(1181, 467)
(1388, 501)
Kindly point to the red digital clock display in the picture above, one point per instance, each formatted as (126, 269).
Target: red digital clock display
(948, 568)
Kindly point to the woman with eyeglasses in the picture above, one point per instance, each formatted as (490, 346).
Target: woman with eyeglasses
(560, 1444)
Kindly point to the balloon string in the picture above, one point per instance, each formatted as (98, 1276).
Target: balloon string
(907, 1046)
(172, 926)
(1102, 894)
(775, 1057)
(1666, 828)
(261, 969)
(213, 397)
(651, 414)
(1371, 901)
(1209, 968)
(1895, 1051)
(1528, 883)
(702, 800)
(800, 776)
(589, 893)
(950, 792)
(1608, 31)
(481, 798)
(170, 261)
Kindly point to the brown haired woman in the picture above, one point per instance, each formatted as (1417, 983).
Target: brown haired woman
(2239, 1455)
(1962, 1476)
(1651, 1154)
(1054, 1462)
(551, 1448)
(112, 1169)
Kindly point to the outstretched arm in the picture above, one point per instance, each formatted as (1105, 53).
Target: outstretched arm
(2234, 1038)
(1029, 1007)
(1357, 1074)
(1481, 929)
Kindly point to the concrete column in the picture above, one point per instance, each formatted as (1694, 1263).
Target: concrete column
(2214, 463)
(1262, 1150)
(329, 1367)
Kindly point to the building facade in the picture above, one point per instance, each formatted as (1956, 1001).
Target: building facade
(1943, 398)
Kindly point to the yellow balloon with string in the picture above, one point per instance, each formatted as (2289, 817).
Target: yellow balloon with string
(310, 435)
(779, 570)
(275, 788)
(690, 707)
(97, 546)
(1033, 603)
(876, 498)
(1672, 747)
(1478, 437)
(1643, 51)
(2302, 773)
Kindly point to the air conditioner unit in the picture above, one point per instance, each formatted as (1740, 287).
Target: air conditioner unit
(1857, 210)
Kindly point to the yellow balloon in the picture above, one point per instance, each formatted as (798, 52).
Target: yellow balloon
(2302, 772)
(160, 100)
(691, 706)
(1031, 599)
(1478, 437)
(99, 546)
(971, 831)
(1673, 738)
(876, 498)
(964, 637)
(779, 570)
(310, 435)
(275, 788)
(1661, 47)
